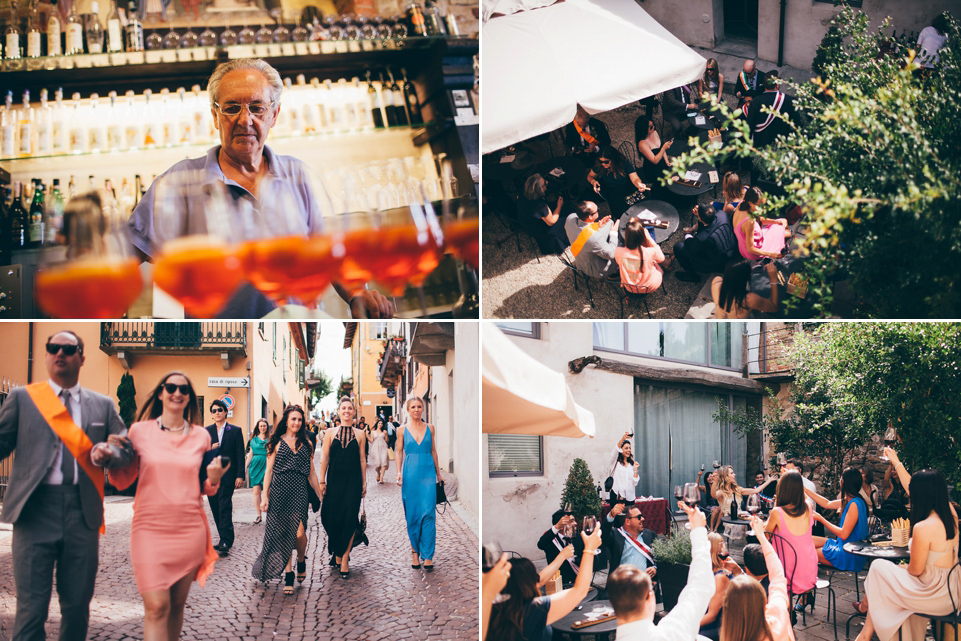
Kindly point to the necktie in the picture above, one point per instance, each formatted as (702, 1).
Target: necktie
(67, 462)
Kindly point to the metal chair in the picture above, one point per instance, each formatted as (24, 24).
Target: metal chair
(939, 620)
(779, 541)
(567, 259)
(629, 153)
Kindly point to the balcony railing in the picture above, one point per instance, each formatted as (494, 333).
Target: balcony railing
(769, 352)
(392, 365)
(184, 337)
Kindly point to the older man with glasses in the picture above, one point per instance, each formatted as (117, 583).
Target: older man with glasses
(245, 102)
(230, 439)
(63, 434)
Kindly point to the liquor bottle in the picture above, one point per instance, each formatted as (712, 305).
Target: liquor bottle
(8, 128)
(34, 37)
(375, 107)
(309, 120)
(75, 126)
(11, 48)
(168, 119)
(134, 28)
(132, 126)
(44, 126)
(97, 131)
(61, 137)
(389, 110)
(21, 223)
(365, 119)
(53, 31)
(74, 43)
(185, 120)
(94, 29)
(434, 20)
(71, 189)
(54, 213)
(36, 216)
(410, 99)
(416, 18)
(149, 119)
(25, 126)
(399, 103)
(115, 137)
(349, 105)
(114, 30)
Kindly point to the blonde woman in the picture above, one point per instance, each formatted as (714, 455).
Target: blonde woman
(724, 568)
(417, 474)
(726, 492)
(377, 437)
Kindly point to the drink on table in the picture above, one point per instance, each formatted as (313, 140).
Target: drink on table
(199, 271)
(99, 288)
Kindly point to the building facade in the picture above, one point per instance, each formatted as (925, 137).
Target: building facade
(367, 342)
(662, 382)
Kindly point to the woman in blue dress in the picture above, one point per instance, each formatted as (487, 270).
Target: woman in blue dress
(854, 523)
(417, 474)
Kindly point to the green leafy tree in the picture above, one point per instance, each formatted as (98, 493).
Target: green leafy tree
(581, 491)
(127, 398)
(875, 166)
(342, 387)
(324, 387)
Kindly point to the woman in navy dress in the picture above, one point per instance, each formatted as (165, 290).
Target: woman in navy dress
(417, 474)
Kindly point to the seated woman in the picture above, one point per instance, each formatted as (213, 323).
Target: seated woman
(711, 83)
(724, 568)
(894, 592)
(744, 600)
(757, 237)
(653, 153)
(615, 179)
(792, 520)
(542, 220)
(854, 523)
(732, 193)
(640, 260)
(525, 616)
(732, 298)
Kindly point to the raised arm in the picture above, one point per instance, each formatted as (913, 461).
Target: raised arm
(823, 502)
(684, 619)
(777, 591)
(903, 475)
(565, 601)
(545, 575)
(637, 182)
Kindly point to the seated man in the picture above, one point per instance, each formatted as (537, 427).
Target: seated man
(749, 83)
(593, 241)
(765, 127)
(675, 105)
(631, 542)
(710, 248)
(629, 589)
(586, 136)
(553, 541)
(537, 216)
(755, 566)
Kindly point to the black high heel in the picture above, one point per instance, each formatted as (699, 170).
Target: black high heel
(301, 571)
(332, 563)
(289, 583)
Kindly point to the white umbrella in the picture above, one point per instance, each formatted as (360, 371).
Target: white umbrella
(540, 63)
(523, 396)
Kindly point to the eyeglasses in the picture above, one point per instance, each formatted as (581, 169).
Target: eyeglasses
(68, 350)
(216, 410)
(605, 162)
(233, 109)
(171, 388)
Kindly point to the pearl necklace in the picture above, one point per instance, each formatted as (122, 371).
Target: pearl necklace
(172, 429)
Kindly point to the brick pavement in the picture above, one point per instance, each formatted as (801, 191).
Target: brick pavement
(383, 598)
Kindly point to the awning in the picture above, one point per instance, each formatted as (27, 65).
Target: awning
(523, 396)
(540, 63)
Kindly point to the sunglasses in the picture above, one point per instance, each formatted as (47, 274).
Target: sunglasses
(605, 162)
(68, 350)
(216, 410)
(171, 388)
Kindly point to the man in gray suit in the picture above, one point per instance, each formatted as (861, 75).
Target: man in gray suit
(55, 506)
(593, 241)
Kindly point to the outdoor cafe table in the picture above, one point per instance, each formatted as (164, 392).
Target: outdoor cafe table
(654, 511)
(708, 123)
(661, 209)
(872, 552)
(572, 178)
(706, 184)
(604, 630)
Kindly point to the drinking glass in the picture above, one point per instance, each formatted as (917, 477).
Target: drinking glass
(264, 35)
(246, 35)
(384, 28)
(300, 34)
(398, 27)
(753, 503)
(890, 439)
(351, 28)
(228, 37)
(692, 496)
(154, 41)
(208, 37)
(568, 509)
(335, 31)
(590, 524)
(491, 554)
(172, 39)
(368, 27)
(189, 39)
(716, 465)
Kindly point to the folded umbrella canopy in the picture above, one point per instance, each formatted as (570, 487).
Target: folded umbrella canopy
(540, 62)
(523, 396)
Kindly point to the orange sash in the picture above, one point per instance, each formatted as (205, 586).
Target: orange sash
(583, 237)
(74, 438)
(591, 140)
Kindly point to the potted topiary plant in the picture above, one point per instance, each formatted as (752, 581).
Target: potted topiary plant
(673, 558)
(580, 491)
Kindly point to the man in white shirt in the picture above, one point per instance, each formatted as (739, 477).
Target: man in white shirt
(632, 598)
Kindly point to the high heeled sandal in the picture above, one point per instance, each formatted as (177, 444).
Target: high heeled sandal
(289, 583)
(415, 566)
(301, 570)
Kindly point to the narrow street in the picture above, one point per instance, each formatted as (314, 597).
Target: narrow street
(383, 598)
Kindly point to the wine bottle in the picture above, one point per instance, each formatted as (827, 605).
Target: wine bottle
(6, 229)
(375, 106)
(11, 48)
(20, 218)
(399, 103)
(55, 213)
(74, 32)
(8, 128)
(134, 28)
(34, 37)
(53, 31)
(36, 216)
(410, 98)
(114, 31)
(94, 30)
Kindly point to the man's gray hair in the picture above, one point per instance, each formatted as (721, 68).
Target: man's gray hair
(273, 78)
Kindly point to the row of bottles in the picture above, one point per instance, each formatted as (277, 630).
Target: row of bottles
(85, 33)
(75, 35)
(141, 122)
(31, 214)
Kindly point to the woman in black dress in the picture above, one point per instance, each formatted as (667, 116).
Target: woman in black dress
(616, 180)
(290, 467)
(343, 473)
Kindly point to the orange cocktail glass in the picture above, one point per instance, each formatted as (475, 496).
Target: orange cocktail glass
(95, 288)
(462, 238)
(290, 266)
(357, 246)
(199, 271)
(400, 257)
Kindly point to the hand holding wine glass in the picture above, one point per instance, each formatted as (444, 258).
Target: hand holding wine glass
(889, 454)
(590, 527)
(695, 518)
(890, 438)
(567, 552)
(592, 542)
(753, 503)
(692, 496)
(495, 560)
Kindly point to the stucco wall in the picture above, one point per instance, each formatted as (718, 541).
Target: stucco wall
(689, 24)
(465, 409)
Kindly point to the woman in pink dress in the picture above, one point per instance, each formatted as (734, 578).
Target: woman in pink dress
(792, 520)
(170, 544)
(640, 260)
(759, 237)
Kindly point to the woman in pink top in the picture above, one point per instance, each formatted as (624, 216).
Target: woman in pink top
(791, 520)
(170, 543)
(745, 600)
(757, 238)
(640, 260)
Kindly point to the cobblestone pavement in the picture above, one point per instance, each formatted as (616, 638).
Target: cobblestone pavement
(383, 598)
